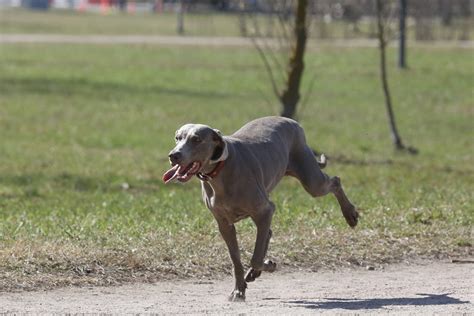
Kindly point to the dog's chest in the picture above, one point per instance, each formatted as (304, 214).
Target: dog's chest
(224, 206)
(232, 215)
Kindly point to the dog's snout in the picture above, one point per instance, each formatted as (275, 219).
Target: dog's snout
(175, 157)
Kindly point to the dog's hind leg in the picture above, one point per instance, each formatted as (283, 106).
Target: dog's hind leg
(303, 165)
(268, 265)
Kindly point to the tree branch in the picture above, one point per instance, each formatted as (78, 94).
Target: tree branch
(267, 65)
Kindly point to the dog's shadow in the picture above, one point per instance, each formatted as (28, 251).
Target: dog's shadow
(376, 303)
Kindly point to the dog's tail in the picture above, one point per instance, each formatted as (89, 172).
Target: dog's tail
(322, 161)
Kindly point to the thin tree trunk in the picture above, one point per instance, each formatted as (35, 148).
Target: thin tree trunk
(291, 95)
(397, 141)
(180, 17)
(242, 19)
(402, 24)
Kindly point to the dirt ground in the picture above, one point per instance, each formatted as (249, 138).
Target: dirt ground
(435, 287)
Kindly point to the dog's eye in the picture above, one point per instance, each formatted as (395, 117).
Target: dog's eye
(196, 139)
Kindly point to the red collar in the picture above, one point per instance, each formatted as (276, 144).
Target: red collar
(211, 175)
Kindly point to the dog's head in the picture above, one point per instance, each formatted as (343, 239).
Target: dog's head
(197, 146)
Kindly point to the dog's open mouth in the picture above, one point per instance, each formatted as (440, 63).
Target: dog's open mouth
(182, 173)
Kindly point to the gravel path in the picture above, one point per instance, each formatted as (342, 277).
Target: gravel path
(407, 289)
(198, 41)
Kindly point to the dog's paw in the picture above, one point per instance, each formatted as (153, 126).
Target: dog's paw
(252, 274)
(237, 296)
(351, 215)
(269, 266)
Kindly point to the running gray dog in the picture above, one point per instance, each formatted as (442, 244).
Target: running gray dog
(237, 174)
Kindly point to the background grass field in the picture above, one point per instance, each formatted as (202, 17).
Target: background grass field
(85, 130)
(195, 24)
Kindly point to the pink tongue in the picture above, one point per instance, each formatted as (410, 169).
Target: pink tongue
(171, 174)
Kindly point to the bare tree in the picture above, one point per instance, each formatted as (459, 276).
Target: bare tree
(402, 37)
(445, 9)
(288, 35)
(423, 12)
(383, 21)
(291, 93)
(180, 17)
(465, 8)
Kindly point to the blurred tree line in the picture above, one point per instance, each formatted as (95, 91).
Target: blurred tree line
(427, 19)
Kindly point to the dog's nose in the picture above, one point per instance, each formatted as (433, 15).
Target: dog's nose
(175, 157)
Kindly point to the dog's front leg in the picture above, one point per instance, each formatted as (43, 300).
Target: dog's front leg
(228, 233)
(263, 221)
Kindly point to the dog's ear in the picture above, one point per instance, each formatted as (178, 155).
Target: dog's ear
(220, 151)
(216, 135)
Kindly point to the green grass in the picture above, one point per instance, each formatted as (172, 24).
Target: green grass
(79, 121)
(70, 22)
(195, 24)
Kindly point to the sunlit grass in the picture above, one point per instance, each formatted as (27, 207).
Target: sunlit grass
(85, 131)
